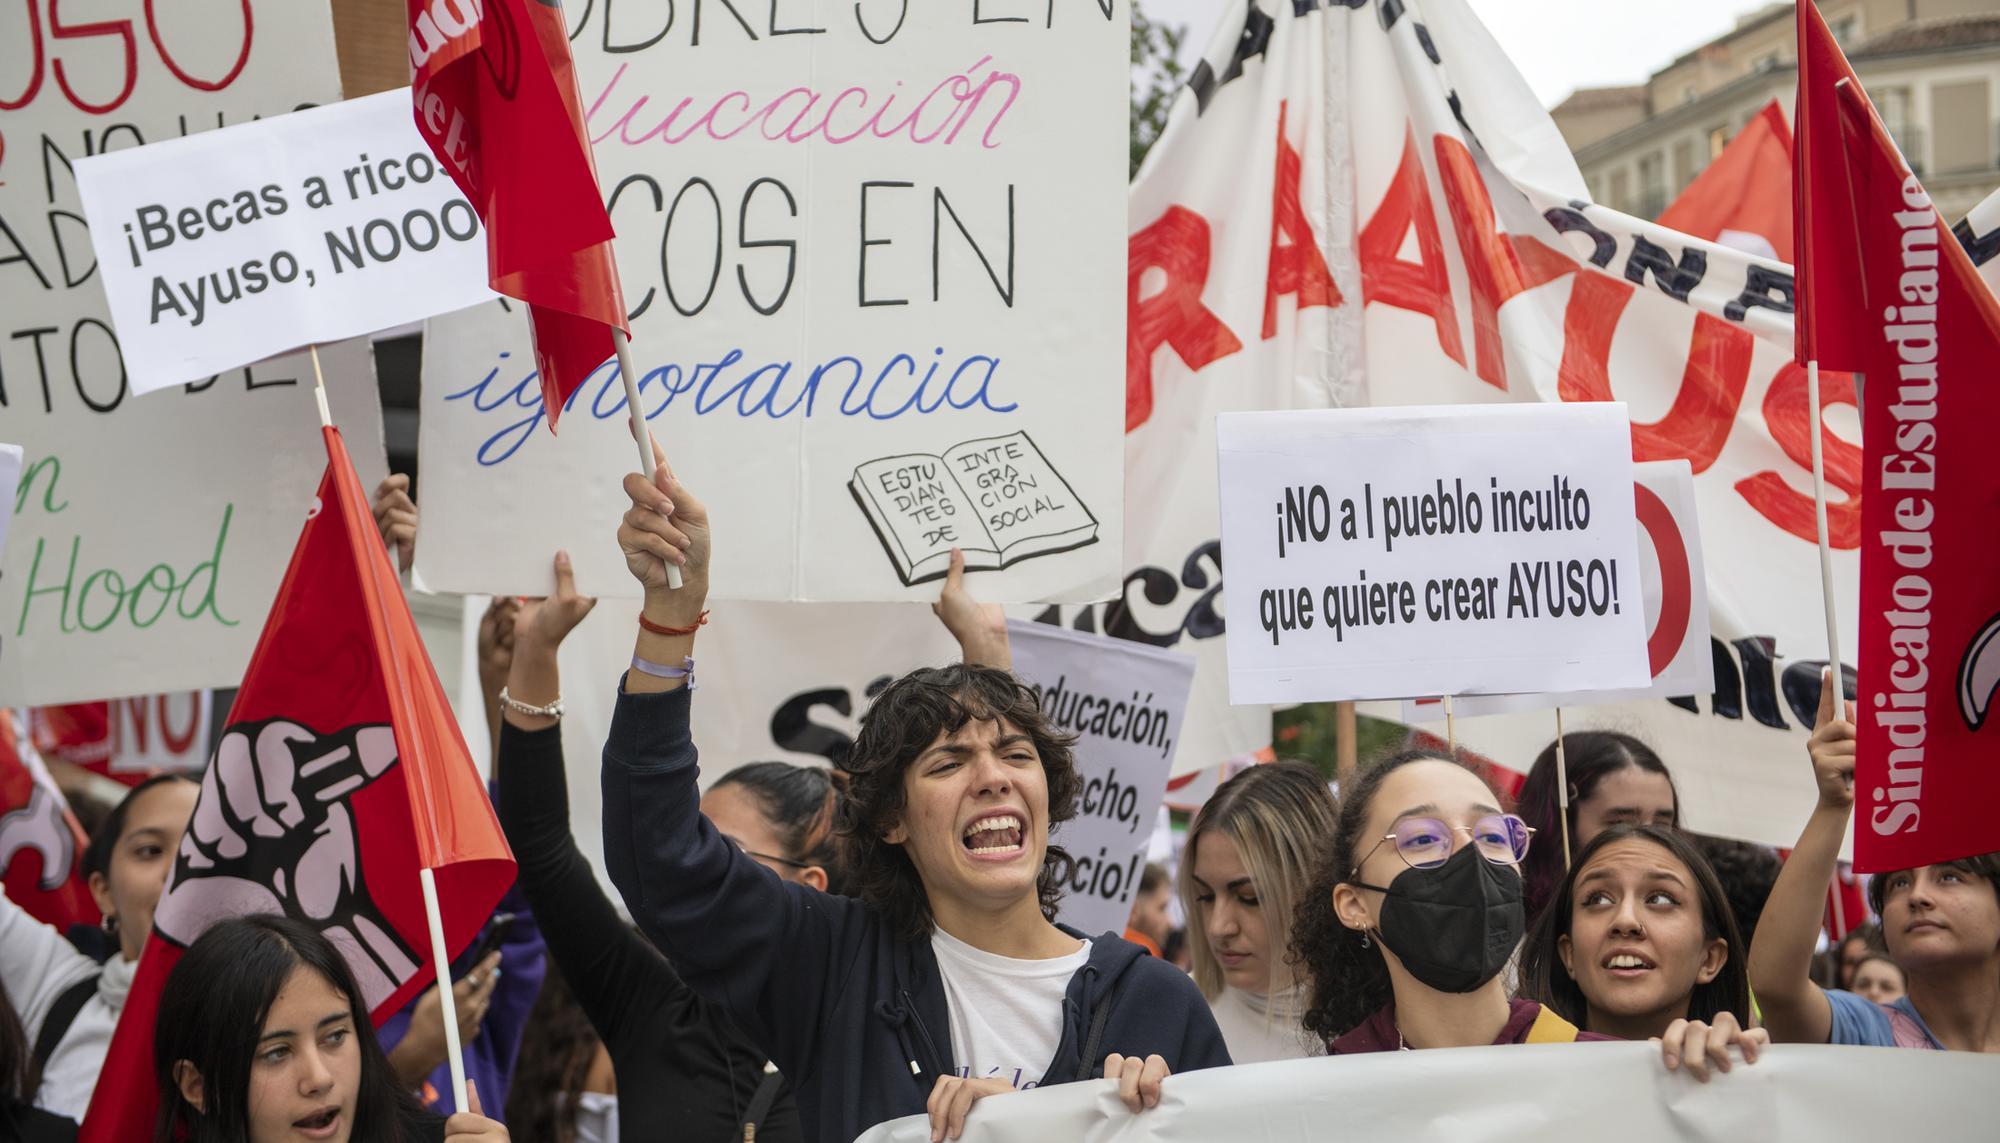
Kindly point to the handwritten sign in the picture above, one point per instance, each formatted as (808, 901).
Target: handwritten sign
(1126, 703)
(148, 537)
(1385, 553)
(228, 247)
(10, 479)
(865, 247)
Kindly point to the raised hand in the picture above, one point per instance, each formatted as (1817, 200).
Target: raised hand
(980, 628)
(469, 1126)
(542, 624)
(1832, 746)
(665, 524)
(396, 518)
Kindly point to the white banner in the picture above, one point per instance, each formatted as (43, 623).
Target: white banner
(1670, 579)
(1453, 256)
(1125, 703)
(873, 260)
(161, 732)
(228, 247)
(1793, 1094)
(1395, 552)
(150, 535)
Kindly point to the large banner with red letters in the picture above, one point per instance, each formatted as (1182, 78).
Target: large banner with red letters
(1416, 233)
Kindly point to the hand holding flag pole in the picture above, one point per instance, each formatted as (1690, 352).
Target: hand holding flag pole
(646, 461)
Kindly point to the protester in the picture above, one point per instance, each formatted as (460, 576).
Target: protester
(1638, 943)
(1747, 873)
(1250, 854)
(1880, 979)
(943, 981)
(20, 1120)
(683, 1070)
(67, 1002)
(1860, 943)
(1413, 913)
(1941, 923)
(565, 1083)
(1613, 779)
(782, 816)
(262, 1036)
(1150, 924)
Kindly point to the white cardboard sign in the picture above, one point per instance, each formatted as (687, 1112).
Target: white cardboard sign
(231, 246)
(1126, 703)
(151, 535)
(875, 259)
(1673, 582)
(1379, 553)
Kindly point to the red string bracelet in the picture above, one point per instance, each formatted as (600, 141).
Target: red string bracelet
(658, 629)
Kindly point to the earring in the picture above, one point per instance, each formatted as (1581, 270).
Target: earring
(1364, 938)
(110, 924)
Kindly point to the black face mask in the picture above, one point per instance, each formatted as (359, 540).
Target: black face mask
(1453, 927)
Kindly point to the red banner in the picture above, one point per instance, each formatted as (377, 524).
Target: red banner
(1885, 291)
(496, 98)
(340, 775)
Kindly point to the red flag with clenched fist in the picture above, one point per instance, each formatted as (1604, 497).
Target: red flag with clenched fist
(40, 845)
(1885, 291)
(340, 775)
(496, 99)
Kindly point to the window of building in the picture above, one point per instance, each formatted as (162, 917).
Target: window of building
(1652, 185)
(1844, 27)
(1961, 126)
(1620, 198)
(1684, 168)
(1766, 62)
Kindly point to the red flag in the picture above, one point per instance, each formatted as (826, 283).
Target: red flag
(41, 847)
(340, 775)
(1885, 291)
(1743, 199)
(496, 98)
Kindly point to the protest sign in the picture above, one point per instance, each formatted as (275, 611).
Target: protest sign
(127, 739)
(231, 246)
(1125, 703)
(1380, 553)
(1676, 597)
(150, 536)
(10, 479)
(1792, 1094)
(874, 264)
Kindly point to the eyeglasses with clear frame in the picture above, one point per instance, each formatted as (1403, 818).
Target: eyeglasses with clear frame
(1426, 842)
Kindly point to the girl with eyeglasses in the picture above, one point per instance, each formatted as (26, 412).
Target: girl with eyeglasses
(1414, 912)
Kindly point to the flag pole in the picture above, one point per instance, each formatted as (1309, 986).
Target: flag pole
(1819, 510)
(1450, 729)
(646, 464)
(447, 1002)
(1562, 786)
(319, 387)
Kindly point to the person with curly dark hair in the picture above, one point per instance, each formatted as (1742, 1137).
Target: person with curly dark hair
(943, 979)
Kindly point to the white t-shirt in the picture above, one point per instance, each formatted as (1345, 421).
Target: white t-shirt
(1006, 1014)
(1259, 1029)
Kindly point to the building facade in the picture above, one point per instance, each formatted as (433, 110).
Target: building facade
(1932, 68)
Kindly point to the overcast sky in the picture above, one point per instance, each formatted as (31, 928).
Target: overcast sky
(1560, 45)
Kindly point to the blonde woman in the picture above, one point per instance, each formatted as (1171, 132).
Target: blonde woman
(1250, 854)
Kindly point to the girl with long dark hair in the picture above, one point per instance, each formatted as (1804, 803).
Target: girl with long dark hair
(262, 1036)
(1639, 937)
(1614, 779)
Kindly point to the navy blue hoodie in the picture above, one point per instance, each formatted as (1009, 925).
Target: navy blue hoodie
(855, 1016)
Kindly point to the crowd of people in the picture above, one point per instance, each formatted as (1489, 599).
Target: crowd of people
(809, 954)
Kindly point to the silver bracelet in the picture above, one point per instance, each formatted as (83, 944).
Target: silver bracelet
(553, 710)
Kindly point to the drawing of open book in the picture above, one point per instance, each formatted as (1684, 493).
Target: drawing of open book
(996, 498)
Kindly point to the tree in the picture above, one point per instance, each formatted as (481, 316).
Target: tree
(1157, 76)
